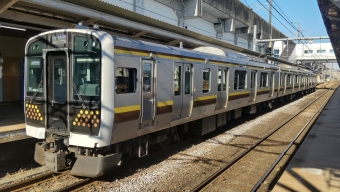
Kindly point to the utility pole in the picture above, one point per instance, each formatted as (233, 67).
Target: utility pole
(270, 24)
(299, 31)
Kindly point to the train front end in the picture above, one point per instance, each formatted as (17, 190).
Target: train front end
(68, 103)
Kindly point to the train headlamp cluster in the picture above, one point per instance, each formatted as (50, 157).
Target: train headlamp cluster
(32, 112)
(87, 118)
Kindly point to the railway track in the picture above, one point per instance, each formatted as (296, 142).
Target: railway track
(249, 170)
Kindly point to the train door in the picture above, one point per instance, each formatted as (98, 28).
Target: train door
(183, 95)
(253, 85)
(57, 66)
(222, 87)
(148, 101)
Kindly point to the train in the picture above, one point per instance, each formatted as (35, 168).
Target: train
(96, 100)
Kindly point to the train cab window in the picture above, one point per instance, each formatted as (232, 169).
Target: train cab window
(125, 79)
(177, 80)
(240, 79)
(206, 80)
(264, 80)
(34, 77)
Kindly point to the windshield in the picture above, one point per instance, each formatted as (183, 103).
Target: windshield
(86, 69)
(34, 77)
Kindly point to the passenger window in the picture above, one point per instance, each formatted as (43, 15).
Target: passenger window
(187, 77)
(296, 79)
(126, 79)
(219, 80)
(240, 80)
(147, 77)
(289, 81)
(206, 80)
(225, 80)
(281, 79)
(177, 80)
(59, 77)
(264, 80)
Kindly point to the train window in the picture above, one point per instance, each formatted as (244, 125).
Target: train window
(59, 77)
(147, 77)
(289, 79)
(264, 80)
(86, 77)
(219, 80)
(34, 77)
(177, 80)
(224, 80)
(206, 80)
(252, 79)
(240, 80)
(126, 79)
(281, 79)
(296, 79)
(187, 79)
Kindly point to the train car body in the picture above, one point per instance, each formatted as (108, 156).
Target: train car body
(94, 97)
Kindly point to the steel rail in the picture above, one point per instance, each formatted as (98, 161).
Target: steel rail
(258, 184)
(26, 183)
(237, 158)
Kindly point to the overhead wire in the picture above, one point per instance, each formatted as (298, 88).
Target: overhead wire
(285, 25)
(291, 24)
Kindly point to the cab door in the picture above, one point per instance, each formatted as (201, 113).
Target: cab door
(253, 85)
(183, 95)
(148, 95)
(57, 68)
(222, 87)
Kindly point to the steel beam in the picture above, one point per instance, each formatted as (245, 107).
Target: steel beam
(5, 4)
(174, 42)
(88, 22)
(27, 18)
(138, 34)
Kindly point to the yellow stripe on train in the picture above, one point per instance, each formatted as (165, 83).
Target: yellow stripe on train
(165, 103)
(205, 97)
(126, 109)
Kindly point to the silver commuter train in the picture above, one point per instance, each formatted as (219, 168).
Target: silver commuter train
(96, 99)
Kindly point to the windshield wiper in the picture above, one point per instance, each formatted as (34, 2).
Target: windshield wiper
(40, 84)
(79, 96)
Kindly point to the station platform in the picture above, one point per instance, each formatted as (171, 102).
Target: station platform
(316, 164)
(12, 122)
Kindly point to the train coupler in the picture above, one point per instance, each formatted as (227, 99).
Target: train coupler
(55, 161)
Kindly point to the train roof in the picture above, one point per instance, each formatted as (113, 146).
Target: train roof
(158, 48)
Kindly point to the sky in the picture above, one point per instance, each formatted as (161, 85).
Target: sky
(304, 11)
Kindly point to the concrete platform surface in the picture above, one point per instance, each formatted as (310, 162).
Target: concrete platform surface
(316, 165)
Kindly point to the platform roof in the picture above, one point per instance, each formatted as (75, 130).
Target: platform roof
(74, 13)
(330, 12)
